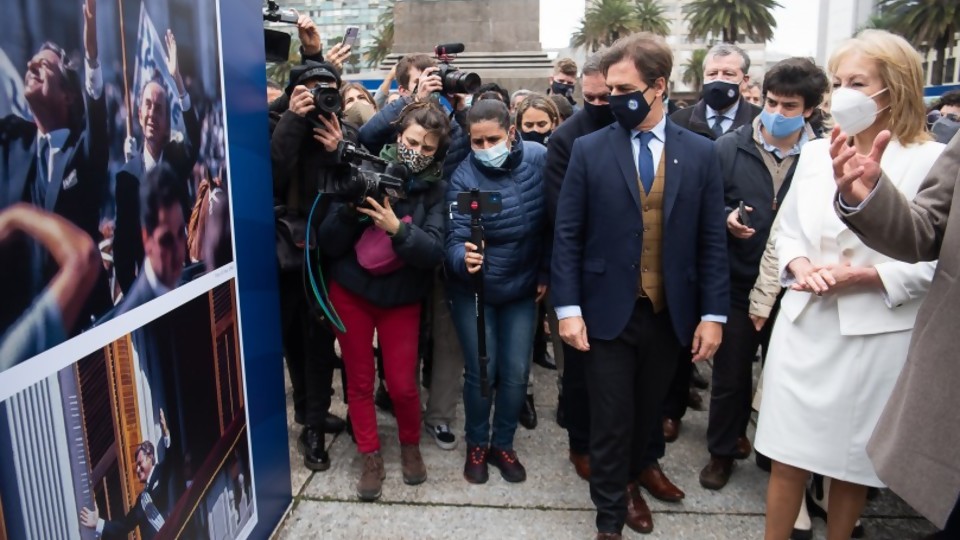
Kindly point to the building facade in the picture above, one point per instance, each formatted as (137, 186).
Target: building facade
(333, 17)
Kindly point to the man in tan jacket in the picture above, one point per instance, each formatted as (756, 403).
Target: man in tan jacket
(916, 442)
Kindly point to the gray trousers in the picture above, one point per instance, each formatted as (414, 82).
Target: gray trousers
(446, 380)
(557, 349)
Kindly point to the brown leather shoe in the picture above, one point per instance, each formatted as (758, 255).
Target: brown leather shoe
(671, 429)
(639, 517)
(609, 536)
(581, 464)
(695, 400)
(371, 479)
(717, 472)
(656, 482)
(414, 470)
(743, 448)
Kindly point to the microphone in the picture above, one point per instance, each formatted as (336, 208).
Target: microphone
(446, 49)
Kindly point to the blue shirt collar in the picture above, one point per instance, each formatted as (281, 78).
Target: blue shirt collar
(730, 114)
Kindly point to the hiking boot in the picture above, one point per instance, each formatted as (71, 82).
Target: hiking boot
(414, 471)
(510, 467)
(475, 468)
(370, 484)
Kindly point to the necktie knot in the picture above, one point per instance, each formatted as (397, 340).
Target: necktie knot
(645, 138)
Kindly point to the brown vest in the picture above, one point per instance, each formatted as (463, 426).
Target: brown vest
(650, 281)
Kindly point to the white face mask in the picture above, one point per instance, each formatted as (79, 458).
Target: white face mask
(854, 111)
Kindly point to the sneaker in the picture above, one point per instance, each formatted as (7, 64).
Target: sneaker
(441, 433)
(475, 468)
(414, 471)
(370, 485)
(310, 443)
(510, 467)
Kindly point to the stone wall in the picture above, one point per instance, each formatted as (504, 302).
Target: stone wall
(481, 25)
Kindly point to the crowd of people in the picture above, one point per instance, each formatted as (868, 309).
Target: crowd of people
(641, 239)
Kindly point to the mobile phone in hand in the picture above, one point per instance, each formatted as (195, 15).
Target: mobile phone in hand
(350, 37)
(744, 217)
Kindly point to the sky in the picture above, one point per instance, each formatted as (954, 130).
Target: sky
(796, 33)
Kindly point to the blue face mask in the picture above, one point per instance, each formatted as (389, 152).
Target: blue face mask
(780, 126)
(494, 156)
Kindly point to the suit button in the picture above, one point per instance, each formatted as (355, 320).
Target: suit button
(646, 250)
(646, 229)
(637, 234)
(646, 208)
(644, 269)
(634, 266)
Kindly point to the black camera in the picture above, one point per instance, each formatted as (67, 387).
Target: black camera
(367, 176)
(277, 43)
(326, 97)
(454, 80)
(273, 13)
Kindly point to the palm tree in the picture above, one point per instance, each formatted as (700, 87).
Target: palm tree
(605, 23)
(929, 24)
(649, 16)
(383, 39)
(731, 18)
(693, 69)
(279, 72)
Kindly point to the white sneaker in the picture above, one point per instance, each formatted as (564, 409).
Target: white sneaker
(441, 433)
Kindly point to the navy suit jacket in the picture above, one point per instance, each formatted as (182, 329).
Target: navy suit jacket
(599, 229)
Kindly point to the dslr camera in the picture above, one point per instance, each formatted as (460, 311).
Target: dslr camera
(326, 97)
(367, 176)
(454, 80)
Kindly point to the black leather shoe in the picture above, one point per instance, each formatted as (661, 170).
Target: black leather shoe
(545, 361)
(528, 414)
(382, 399)
(310, 443)
(333, 424)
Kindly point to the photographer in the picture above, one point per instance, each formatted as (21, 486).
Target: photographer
(303, 151)
(382, 260)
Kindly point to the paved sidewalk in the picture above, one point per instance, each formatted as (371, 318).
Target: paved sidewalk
(552, 504)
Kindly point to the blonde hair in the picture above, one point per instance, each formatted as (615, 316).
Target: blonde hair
(900, 68)
(541, 103)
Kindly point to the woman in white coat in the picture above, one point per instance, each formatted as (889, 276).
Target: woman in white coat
(844, 327)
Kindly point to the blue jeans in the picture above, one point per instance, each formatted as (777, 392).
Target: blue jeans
(509, 330)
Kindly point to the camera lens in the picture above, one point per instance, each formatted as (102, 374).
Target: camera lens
(461, 82)
(327, 100)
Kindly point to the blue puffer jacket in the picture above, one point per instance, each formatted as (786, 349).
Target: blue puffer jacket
(380, 131)
(518, 242)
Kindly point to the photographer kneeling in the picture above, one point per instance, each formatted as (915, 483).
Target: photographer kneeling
(382, 259)
(303, 154)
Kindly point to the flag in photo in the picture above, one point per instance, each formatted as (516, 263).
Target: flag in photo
(151, 63)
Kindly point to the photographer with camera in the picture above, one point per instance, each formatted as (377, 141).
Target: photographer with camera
(515, 266)
(305, 161)
(382, 255)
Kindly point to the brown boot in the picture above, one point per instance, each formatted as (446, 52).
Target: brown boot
(414, 471)
(370, 484)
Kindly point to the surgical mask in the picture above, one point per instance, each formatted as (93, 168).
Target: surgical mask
(780, 126)
(854, 111)
(535, 136)
(600, 114)
(721, 94)
(494, 156)
(413, 159)
(630, 109)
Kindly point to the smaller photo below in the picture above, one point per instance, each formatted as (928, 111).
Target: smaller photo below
(144, 439)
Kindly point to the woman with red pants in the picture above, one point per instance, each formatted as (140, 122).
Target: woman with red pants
(382, 258)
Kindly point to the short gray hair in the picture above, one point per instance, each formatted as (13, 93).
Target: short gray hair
(523, 92)
(726, 49)
(592, 65)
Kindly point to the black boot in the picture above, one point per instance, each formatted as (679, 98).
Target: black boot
(333, 424)
(310, 443)
(528, 414)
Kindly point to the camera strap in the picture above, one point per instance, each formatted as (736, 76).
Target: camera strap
(330, 313)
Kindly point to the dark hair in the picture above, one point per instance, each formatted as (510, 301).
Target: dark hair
(489, 109)
(541, 103)
(146, 448)
(70, 82)
(160, 189)
(649, 52)
(485, 89)
(431, 118)
(797, 77)
(416, 61)
(564, 108)
(951, 98)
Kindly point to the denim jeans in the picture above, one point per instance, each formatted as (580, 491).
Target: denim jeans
(509, 330)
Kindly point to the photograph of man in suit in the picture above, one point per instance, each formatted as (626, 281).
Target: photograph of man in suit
(160, 145)
(152, 505)
(639, 266)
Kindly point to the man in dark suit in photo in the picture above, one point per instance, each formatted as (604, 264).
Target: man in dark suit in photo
(639, 266)
(153, 504)
(160, 145)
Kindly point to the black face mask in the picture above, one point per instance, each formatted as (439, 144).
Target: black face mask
(535, 136)
(562, 89)
(720, 94)
(599, 114)
(630, 109)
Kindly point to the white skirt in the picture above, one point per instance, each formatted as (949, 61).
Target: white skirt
(823, 393)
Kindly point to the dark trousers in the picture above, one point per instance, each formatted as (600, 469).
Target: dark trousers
(678, 391)
(308, 348)
(732, 392)
(627, 379)
(575, 400)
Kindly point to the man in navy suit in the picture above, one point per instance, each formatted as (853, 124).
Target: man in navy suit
(639, 267)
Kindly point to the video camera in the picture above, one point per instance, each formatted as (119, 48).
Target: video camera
(378, 179)
(277, 43)
(454, 80)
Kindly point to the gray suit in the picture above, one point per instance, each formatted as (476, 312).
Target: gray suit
(915, 445)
